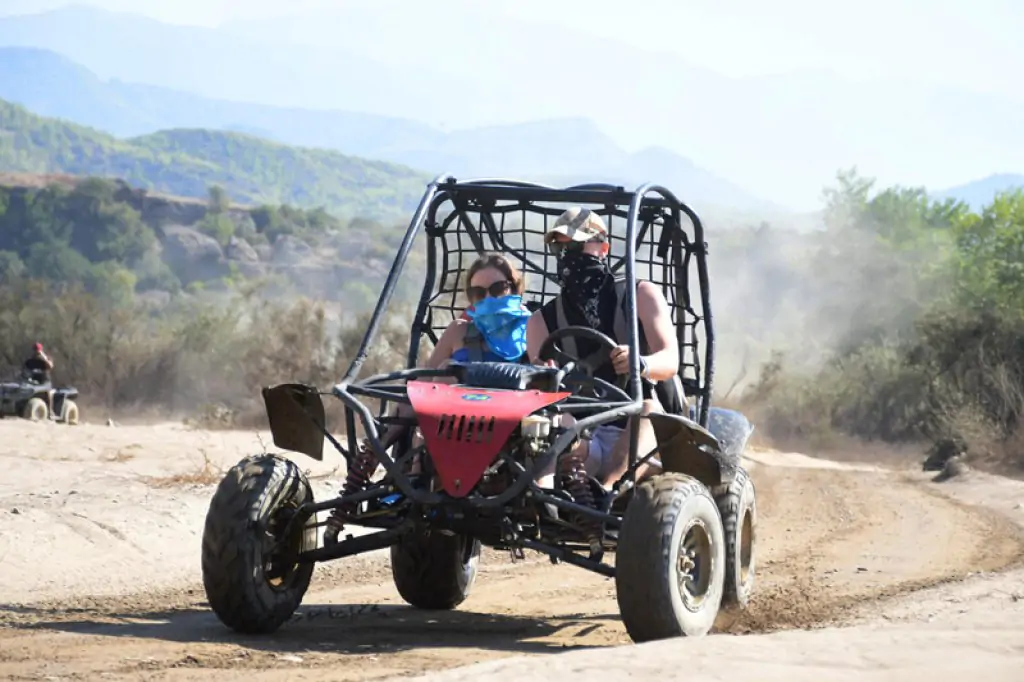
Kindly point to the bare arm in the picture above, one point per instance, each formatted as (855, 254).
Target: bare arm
(451, 339)
(656, 318)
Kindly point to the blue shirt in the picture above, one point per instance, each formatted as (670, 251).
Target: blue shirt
(462, 355)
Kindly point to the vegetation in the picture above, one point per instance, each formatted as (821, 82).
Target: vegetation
(899, 321)
(910, 325)
(80, 260)
(197, 358)
(115, 242)
(186, 162)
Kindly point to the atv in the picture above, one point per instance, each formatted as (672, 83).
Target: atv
(465, 472)
(38, 401)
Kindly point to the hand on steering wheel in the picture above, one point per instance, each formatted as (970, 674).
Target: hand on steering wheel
(550, 350)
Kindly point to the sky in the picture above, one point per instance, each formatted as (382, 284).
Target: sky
(968, 43)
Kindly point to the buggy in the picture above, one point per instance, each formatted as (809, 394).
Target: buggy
(465, 472)
(38, 401)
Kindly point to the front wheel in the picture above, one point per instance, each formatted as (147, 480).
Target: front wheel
(434, 570)
(70, 412)
(670, 559)
(252, 579)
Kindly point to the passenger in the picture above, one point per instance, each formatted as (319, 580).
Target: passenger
(591, 297)
(493, 328)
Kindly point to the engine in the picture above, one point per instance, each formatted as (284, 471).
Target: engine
(529, 441)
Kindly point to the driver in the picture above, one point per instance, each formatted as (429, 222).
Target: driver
(38, 366)
(591, 297)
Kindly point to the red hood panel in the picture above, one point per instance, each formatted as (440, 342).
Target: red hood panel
(465, 428)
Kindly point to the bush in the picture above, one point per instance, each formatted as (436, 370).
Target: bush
(194, 353)
(917, 305)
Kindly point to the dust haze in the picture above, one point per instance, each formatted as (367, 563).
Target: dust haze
(807, 290)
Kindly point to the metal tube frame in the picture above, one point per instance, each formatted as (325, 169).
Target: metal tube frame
(444, 188)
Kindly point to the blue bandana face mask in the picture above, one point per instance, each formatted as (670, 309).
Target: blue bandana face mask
(502, 323)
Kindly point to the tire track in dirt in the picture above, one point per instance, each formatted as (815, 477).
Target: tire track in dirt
(830, 540)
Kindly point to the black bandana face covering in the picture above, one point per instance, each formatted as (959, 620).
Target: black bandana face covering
(582, 276)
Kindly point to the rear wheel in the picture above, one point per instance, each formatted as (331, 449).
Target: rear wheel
(670, 559)
(434, 570)
(250, 573)
(738, 507)
(36, 410)
(70, 412)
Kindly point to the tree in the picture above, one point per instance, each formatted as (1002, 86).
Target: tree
(990, 255)
(217, 199)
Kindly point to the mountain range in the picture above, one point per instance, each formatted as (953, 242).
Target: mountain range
(495, 95)
(187, 162)
(53, 85)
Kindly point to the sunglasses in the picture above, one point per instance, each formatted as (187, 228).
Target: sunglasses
(558, 248)
(497, 289)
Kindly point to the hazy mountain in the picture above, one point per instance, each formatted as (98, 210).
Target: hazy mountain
(981, 192)
(186, 162)
(53, 85)
(460, 64)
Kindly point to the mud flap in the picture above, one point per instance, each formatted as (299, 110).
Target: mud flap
(297, 418)
(684, 446)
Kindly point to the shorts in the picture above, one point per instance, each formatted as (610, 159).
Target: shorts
(600, 448)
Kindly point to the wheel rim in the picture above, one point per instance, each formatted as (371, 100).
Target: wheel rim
(694, 565)
(279, 564)
(746, 546)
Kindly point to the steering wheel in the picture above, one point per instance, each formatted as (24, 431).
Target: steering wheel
(550, 350)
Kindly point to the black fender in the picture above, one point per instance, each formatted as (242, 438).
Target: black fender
(686, 447)
(731, 428)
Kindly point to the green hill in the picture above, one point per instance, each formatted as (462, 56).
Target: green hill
(187, 162)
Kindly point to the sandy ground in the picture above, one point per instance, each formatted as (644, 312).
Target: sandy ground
(865, 573)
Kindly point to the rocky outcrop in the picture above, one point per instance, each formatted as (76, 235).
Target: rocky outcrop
(289, 250)
(240, 250)
(192, 255)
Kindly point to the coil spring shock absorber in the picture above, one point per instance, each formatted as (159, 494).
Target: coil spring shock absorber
(579, 487)
(364, 463)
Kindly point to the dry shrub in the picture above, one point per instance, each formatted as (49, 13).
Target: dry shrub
(204, 474)
(203, 359)
(960, 380)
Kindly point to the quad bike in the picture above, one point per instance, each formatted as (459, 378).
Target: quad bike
(465, 473)
(38, 401)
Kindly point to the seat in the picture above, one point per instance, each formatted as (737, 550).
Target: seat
(505, 375)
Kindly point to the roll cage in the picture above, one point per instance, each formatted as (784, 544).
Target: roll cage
(686, 538)
(462, 220)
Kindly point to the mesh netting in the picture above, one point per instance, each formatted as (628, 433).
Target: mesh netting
(515, 228)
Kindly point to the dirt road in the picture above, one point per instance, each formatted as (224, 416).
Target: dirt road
(99, 571)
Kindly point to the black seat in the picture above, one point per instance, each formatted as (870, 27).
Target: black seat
(505, 375)
(672, 396)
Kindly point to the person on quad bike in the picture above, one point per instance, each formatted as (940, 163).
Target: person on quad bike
(38, 366)
(591, 297)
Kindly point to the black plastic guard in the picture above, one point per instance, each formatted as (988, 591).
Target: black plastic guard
(296, 416)
(731, 428)
(684, 446)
